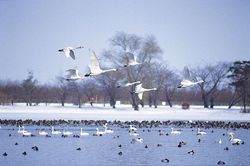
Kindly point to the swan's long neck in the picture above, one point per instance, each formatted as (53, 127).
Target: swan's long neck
(109, 70)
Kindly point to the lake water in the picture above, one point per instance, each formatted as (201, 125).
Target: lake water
(103, 150)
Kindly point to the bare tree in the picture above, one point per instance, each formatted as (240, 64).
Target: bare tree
(145, 49)
(29, 87)
(213, 76)
(62, 89)
(240, 77)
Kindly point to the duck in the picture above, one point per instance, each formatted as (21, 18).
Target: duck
(188, 83)
(54, 132)
(5, 154)
(140, 90)
(191, 152)
(221, 162)
(175, 131)
(95, 66)
(199, 132)
(83, 133)
(69, 51)
(165, 160)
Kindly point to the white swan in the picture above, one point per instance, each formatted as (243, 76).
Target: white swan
(106, 130)
(140, 90)
(73, 74)
(220, 141)
(175, 131)
(199, 132)
(188, 83)
(98, 132)
(26, 133)
(132, 62)
(129, 84)
(132, 128)
(235, 141)
(95, 66)
(66, 133)
(139, 140)
(43, 133)
(69, 51)
(133, 133)
(20, 131)
(83, 133)
(230, 134)
(54, 132)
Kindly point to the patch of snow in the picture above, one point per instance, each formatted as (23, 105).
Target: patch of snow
(122, 112)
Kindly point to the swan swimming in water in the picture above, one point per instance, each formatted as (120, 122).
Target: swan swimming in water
(95, 66)
(175, 131)
(54, 132)
(98, 132)
(106, 130)
(43, 133)
(83, 133)
(66, 133)
(69, 51)
(199, 132)
(235, 141)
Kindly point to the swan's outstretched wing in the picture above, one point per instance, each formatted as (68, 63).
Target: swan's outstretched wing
(140, 95)
(94, 63)
(72, 72)
(72, 55)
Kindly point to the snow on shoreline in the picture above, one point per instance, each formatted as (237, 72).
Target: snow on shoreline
(122, 113)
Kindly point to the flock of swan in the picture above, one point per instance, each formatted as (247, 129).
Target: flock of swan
(132, 133)
(95, 69)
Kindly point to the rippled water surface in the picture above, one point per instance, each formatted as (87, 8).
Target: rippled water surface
(103, 150)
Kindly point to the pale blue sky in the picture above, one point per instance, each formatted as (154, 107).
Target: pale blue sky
(190, 32)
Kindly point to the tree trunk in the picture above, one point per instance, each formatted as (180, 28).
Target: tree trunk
(212, 102)
(150, 101)
(205, 100)
(168, 100)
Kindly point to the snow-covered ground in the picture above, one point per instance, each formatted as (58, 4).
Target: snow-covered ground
(122, 113)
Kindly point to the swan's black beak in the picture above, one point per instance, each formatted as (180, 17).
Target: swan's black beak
(61, 50)
(179, 86)
(87, 75)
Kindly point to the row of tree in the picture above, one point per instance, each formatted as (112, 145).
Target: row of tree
(224, 83)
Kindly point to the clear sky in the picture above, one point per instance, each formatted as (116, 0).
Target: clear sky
(190, 32)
